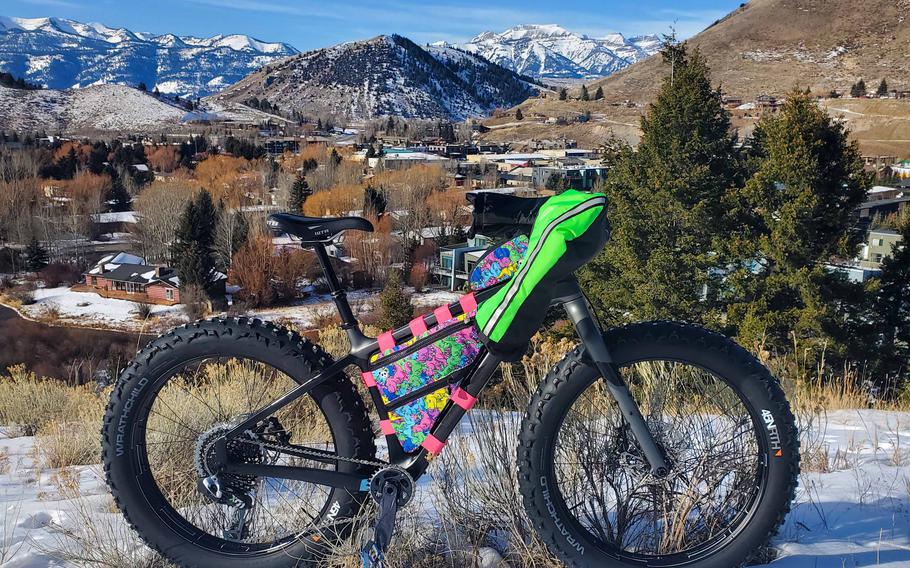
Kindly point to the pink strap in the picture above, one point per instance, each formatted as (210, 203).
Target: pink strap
(387, 427)
(418, 326)
(468, 303)
(386, 341)
(368, 379)
(433, 445)
(443, 314)
(463, 399)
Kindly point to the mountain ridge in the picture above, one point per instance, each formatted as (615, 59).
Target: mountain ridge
(59, 53)
(385, 75)
(550, 51)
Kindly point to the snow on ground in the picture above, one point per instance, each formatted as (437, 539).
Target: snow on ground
(311, 312)
(91, 310)
(88, 309)
(858, 514)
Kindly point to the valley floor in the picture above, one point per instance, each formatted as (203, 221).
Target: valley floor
(854, 510)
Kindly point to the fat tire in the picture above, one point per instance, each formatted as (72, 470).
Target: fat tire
(284, 349)
(688, 343)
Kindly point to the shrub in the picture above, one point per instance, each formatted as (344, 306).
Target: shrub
(24, 296)
(62, 444)
(143, 311)
(31, 403)
(196, 302)
(58, 273)
(394, 303)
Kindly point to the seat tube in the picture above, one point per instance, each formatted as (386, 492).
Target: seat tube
(596, 348)
(338, 295)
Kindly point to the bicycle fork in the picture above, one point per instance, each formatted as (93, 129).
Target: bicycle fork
(580, 313)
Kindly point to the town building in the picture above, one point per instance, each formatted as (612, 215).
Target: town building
(879, 245)
(577, 177)
(457, 261)
(127, 277)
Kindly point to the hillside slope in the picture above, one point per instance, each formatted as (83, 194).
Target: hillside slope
(772, 46)
(102, 107)
(386, 75)
(763, 47)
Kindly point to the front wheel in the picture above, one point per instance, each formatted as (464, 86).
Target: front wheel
(720, 418)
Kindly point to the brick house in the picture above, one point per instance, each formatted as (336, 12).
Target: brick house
(128, 277)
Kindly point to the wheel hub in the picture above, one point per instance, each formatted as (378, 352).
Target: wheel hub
(231, 489)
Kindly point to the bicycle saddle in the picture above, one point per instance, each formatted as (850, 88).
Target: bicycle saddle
(317, 229)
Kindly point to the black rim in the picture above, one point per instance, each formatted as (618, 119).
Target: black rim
(184, 506)
(647, 520)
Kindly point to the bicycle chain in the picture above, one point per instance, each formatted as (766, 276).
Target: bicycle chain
(304, 452)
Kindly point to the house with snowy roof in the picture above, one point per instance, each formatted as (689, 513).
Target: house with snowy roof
(128, 277)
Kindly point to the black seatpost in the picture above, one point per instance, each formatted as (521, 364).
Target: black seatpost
(348, 321)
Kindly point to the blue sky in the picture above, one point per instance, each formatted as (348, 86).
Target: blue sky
(310, 24)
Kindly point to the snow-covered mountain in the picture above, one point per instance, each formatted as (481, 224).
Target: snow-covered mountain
(553, 52)
(62, 54)
(386, 75)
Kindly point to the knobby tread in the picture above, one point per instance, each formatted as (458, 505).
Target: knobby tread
(310, 355)
(637, 334)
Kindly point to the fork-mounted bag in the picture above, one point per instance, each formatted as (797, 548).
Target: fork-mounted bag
(569, 230)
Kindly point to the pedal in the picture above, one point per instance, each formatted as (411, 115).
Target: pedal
(372, 557)
(392, 488)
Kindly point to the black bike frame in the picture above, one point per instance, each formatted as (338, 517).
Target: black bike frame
(473, 380)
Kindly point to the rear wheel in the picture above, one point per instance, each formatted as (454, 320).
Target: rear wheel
(719, 417)
(176, 400)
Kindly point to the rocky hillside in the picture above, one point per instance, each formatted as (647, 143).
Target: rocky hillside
(63, 54)
(552, 52)
(386, 75)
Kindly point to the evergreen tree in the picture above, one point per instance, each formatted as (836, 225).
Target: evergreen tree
(395, 308)
(97, 157)
(118, 198)
(794, 214)
(141, 86)
(563, 94)
(518, 114)
(858, 89)
(374, 201)
(557, 183)
(584, 93)
(666, 203)
(299, 192)
(194, 242)
(599, 94)
(882, 90)
(892, 309)
(335, 156)
(36, 256)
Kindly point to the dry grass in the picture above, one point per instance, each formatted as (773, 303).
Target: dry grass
(63, 444)
(30, 403)
(93, 540)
